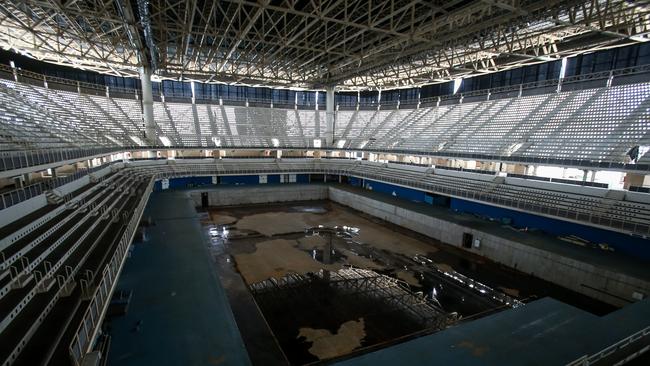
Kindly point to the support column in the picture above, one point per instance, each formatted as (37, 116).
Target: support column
(329, 116)
(147, 106)
(633, 179)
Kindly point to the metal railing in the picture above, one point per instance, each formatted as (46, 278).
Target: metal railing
(12, 160)
(87, 330)
(610, 74)
(19, 195)
(594, 359)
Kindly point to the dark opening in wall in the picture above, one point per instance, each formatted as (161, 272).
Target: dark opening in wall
(204, 200)
(467, 240)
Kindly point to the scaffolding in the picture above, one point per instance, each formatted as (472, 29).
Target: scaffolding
(353, 284)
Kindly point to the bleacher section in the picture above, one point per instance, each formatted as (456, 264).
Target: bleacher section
(600, 124)
(627, 212)
(60, 268)
(595, 124)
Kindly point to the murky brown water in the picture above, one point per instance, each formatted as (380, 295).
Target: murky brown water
(264, 241)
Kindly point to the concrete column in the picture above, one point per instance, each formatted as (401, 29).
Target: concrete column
(147, 106)
(329, 116)
(633, 179)
(584, 175)
(593, 176)
(27, 180)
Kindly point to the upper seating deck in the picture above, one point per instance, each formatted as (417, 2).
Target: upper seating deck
(599, 124)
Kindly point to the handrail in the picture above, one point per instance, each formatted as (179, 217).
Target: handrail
(83, 338)
(587, 360)
(501, 89)
(19, 195)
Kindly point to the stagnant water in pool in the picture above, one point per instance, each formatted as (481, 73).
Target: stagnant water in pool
(253, 243)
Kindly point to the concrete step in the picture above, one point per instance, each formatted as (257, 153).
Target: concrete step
(88, 293)
(68, 288)
(22, 280)
(46, 285)
(53, 198)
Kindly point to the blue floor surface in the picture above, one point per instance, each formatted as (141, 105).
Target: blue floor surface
(186, 318)
(544, 332)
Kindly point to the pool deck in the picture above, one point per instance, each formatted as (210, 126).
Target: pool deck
(185, 314)
(544, 332)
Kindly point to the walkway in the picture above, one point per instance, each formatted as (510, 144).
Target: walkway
(185, 315)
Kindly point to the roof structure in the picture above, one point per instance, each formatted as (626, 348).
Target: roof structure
(311, 43)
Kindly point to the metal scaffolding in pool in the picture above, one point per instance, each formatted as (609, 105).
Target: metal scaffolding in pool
(356, 282)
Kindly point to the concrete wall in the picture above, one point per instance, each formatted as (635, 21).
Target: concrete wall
(549, 266)
(24, 208)
(261, 194)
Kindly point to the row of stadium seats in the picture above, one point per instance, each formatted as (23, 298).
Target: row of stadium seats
(599, 124)
(54, 263)
(596, 124)
(598, 210)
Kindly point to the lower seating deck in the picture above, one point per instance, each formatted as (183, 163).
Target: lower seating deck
(65, 270)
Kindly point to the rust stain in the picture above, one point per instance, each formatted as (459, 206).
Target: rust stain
(476, 350)
(217, 360)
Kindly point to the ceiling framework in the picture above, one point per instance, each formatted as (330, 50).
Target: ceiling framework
(312, 43)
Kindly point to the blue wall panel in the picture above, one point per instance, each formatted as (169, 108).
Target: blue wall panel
(357, 182)
(302, 178)
(274, 178)
(240, 179)
(187, 182)
(627, 244)
(397, 191)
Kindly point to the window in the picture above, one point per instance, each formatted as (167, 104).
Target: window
(307, 98)
(284, 96)
(177, 89)
(368, 97)
(346, 98)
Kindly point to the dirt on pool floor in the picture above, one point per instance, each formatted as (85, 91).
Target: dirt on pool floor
(276, 258)
(327, 345)
(269, 241)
